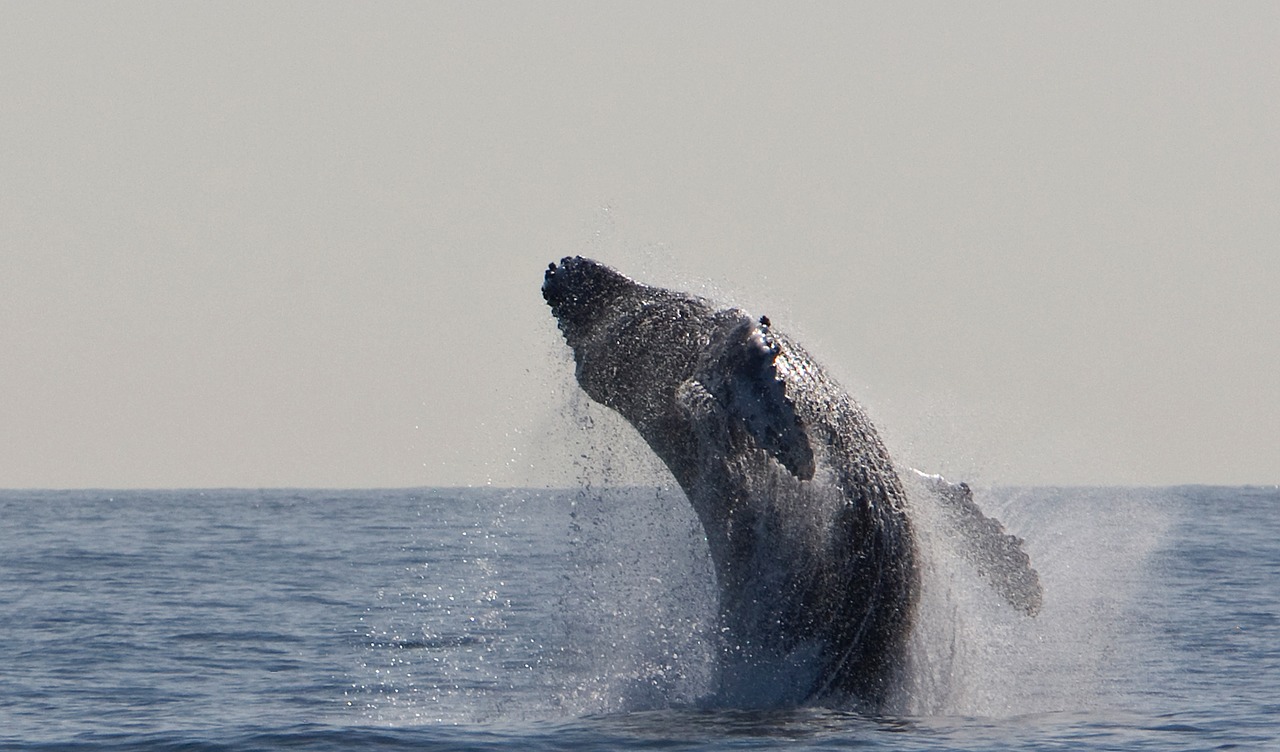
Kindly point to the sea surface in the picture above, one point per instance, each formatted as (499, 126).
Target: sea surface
(583, 620)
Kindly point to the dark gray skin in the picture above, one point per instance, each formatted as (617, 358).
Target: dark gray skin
(804, 513)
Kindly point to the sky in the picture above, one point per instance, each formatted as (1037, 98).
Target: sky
(301, 244)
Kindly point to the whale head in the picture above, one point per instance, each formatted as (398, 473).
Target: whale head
(681, 370)
(580, 292)
(633, 345)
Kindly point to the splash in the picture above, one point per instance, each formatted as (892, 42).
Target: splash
(640, 600)
(972, 655)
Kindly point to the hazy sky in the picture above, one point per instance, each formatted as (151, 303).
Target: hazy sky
(301, 243)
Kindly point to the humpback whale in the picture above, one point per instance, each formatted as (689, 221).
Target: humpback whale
(807, 520)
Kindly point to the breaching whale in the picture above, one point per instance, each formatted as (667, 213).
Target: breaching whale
(807, 520)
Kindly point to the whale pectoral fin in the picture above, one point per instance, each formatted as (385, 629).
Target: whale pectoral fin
(747, 383)
(764, 412)
(996, 555)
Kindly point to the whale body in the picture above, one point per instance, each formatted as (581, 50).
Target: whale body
(806, 518)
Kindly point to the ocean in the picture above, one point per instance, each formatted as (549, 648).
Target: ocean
(583, 619)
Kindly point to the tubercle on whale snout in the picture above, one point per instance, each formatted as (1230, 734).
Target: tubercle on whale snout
(556, 289)
(578, 289)
(558, 282)
(549, 278)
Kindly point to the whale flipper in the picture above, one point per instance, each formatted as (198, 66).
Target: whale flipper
(744, 379)
(996, 555)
